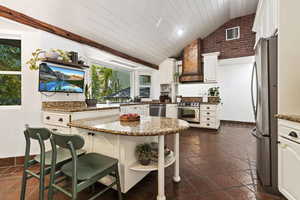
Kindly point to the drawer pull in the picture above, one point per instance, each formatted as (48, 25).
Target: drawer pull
(47, 118)
(207, 107)
(60, 120)
(208, 113)
(90, 133)
(293, 134)
(207, 124)
(54, 129)
(207, 118)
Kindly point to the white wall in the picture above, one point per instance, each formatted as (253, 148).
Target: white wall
(288, 68)
(234, 79)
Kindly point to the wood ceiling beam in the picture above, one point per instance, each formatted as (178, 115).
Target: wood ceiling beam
(27, 20)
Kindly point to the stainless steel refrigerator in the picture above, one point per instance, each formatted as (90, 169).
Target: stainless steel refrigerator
(264, 101)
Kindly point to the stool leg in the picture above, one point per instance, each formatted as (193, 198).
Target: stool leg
(42, 182)
(24, 183)
(118, 182)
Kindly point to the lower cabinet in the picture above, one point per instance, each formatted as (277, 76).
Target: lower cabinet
(172, 111)
(209, 116)
(289, 168)
(142, 110)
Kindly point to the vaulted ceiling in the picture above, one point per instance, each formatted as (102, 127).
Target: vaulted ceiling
(147, 29)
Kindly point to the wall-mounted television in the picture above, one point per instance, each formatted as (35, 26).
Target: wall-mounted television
(54, 78)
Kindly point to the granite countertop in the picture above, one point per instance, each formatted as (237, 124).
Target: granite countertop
(147, 126)
(293, 118)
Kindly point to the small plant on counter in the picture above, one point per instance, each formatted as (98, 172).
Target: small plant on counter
(214, 91)
(143, 153)
(36, 57)
(89, 100)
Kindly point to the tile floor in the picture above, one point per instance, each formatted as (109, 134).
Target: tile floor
(214, 166)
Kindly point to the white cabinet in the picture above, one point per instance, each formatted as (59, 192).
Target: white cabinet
(172, 111)
(142, 110)
(266, 19)
(210, 61)
(166, 71)
(209, 116)
(289, 160)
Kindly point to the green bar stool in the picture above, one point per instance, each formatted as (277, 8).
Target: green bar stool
(43, 159)
(84, 171)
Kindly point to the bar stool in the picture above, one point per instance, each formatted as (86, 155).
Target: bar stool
(43, 159)
(84, 170)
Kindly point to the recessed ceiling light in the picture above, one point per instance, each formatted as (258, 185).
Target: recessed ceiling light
(179, 32)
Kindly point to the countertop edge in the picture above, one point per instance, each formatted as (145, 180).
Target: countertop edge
(124, 133)
(293, 118)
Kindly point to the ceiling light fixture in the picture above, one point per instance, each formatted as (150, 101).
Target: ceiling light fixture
(179, 32)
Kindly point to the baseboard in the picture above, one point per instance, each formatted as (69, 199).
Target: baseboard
(12, 161)
(238, 122)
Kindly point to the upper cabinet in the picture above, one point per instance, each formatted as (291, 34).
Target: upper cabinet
(191, 65)
(167, 71)
(210, 63)
(266, 20)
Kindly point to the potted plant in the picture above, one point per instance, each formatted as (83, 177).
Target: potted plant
(143, 153)
(214, 95)
(89, 100)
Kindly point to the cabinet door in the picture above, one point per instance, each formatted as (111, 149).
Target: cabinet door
(172, 111)
(289, 169)
(87, 141)
(105, 144)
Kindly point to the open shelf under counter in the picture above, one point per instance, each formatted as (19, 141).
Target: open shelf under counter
(153, 166)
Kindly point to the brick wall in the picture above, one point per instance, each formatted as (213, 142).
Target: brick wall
(216, 41)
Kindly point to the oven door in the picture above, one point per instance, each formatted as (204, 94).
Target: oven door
(189, 114)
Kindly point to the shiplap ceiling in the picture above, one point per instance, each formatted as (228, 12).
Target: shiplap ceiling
(146, 29)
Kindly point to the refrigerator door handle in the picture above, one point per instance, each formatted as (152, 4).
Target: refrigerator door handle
(252, 93)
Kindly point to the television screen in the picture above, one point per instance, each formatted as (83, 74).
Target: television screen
(59, 79)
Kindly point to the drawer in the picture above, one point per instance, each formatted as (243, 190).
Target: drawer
(208, 107)
(208, 113)
(208, 125)
(208, 119)
(56, 119)
(59, 129)
(289, 131)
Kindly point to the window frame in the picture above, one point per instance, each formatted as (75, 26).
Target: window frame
(113, 67)
(12, 36)
(239, 33)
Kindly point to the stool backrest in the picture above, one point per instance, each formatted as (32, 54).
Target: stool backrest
(64, 140)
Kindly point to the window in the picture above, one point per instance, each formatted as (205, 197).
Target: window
(233, 33)
(145, 86)
(110, 84)
(10, 72)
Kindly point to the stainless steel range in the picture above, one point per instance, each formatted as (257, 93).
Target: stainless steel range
(189, 111)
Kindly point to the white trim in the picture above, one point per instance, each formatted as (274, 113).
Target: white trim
(12, 107)
(11, 72)
(211, 54)
(239, 33)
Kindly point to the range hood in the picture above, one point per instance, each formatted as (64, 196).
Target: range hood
(192, 70)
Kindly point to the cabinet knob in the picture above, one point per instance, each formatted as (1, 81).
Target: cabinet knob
(47, 118)
(54, 129)
(60, 120)
(293, 134)
(207, 107)
(207, 118)
(208, 124)
(208, 113)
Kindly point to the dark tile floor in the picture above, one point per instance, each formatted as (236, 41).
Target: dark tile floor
(213, 166)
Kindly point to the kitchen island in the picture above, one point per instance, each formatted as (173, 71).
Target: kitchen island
(109, 136)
